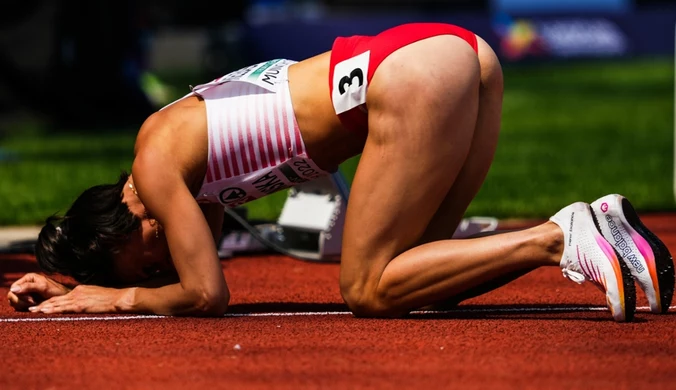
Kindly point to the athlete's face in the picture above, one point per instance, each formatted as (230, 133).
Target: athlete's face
(144, 256)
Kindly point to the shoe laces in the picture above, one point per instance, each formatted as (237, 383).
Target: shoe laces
(573, 271)
(574, 275)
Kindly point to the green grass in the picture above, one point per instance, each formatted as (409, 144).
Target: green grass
(575, 132)
(570, 132)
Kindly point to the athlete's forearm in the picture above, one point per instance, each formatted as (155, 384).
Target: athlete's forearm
(171, 300)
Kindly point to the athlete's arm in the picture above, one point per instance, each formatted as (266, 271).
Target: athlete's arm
(214, 215)
(202, 289)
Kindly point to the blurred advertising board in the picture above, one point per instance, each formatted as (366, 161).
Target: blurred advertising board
(515, 37)
(521, 38)
(597, 35)
(558, 6)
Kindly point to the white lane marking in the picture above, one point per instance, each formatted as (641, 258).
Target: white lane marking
(476, 310)
(74, 319)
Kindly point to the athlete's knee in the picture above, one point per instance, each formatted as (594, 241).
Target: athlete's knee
(369, 304)
(366, 299)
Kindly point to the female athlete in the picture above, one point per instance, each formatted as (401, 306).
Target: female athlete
(420, 102)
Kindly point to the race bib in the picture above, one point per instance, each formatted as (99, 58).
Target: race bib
(265, 75)
(242, 189)
(350, 82)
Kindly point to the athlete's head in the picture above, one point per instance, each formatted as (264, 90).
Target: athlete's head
(100, 240)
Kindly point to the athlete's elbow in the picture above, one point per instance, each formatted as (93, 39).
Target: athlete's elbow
(212, 303)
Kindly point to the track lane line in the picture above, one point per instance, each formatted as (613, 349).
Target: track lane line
(328, 313)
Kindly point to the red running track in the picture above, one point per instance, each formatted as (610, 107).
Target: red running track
(537, 332)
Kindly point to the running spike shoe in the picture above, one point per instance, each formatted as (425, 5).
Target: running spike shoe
(588, 256)
(648, 258)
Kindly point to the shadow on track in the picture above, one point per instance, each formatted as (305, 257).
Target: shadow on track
(569, 312)
(553, 312)
(287, 307)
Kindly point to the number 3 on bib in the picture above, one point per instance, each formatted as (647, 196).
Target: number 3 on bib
(350, 82)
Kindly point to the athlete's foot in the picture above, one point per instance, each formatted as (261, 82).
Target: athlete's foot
(646, 255)
(589, 256)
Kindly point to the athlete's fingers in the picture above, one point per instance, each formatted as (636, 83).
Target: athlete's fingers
(12, 298)
(20, 302)
(49, 303)
(58, 309)
(60, 306)
(17, 286)
(28, 287)
(29, 283)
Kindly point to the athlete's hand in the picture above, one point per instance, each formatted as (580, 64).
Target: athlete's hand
(81, 299)
(32, 289)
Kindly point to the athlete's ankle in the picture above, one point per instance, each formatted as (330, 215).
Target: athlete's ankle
(552, 242)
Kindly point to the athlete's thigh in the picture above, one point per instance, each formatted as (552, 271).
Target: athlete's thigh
(481, 153)
(421, 120)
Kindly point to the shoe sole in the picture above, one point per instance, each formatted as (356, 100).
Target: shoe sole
(629, 295)
(663, 269)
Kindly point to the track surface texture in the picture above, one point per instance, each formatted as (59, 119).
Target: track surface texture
(540, 331)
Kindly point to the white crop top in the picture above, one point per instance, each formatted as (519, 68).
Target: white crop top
(255, 145)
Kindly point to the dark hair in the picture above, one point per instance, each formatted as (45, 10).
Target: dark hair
(82, 243)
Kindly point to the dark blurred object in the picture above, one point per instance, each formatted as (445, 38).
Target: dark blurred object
(76, 63)
(423, 5)
(641, 3)
(21, 10)
(205, 13)
(26, 52)
(79, 64)
(99, 63)
(223, 22)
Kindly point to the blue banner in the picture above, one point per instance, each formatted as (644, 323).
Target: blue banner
(552, 6)
(514, 37)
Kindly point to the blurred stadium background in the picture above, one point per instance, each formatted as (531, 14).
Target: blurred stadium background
(588, 102)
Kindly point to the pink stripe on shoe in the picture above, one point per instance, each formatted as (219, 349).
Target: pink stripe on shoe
(614, 261)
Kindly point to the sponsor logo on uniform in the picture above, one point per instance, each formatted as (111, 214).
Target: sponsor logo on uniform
(622, 246)
(232, 195)
(262, 67)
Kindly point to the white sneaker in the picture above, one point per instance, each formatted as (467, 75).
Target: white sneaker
(646, 255)
(588, 256)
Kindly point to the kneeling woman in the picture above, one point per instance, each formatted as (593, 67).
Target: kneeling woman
(420, 102)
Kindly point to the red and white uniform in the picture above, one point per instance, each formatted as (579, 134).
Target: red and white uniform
(255, 145)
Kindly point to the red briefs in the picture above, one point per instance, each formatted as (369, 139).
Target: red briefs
(355, 59)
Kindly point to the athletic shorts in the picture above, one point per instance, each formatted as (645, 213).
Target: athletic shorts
(354, 61)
